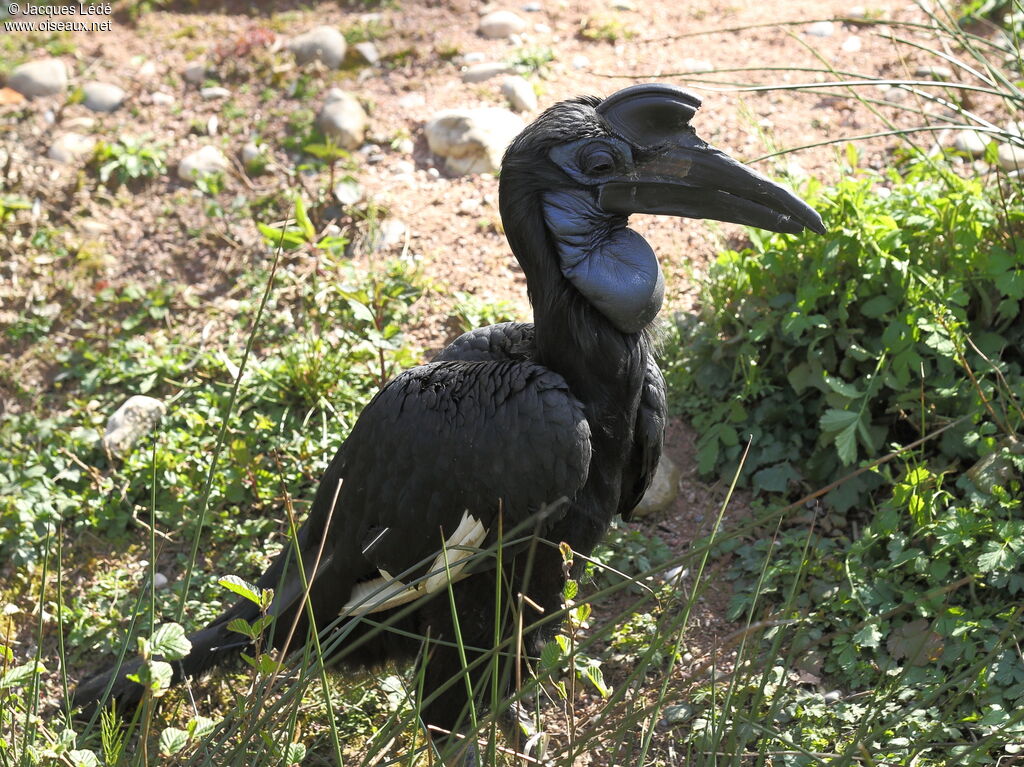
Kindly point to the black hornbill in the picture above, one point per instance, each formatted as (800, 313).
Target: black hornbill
(556, 425)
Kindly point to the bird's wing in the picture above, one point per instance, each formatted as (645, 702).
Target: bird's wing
(648, 440)
(504, 341)
(438, 454)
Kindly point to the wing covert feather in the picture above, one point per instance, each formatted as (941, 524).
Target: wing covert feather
(456, 436)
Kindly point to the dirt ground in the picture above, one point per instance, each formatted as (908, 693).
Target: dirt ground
(155, 235)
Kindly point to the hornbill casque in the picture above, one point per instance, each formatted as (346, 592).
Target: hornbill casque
(554, 426)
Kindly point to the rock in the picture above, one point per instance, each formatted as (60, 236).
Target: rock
(161, 99)
(1011, 157)
(68, 147)
(348, 192)
(102, 97)
(697, 65)
(203, 161)
(392, 232)
(532, 7)
(520, 93)
(852, 44)
(970, 142)
(579, 61)
(412, 101)
(501, 24)
(214, 92)
(322, 43)
(195, 73)
(250, 152)
(138, 416)
(405, 146)
(624, 5)
(933, 73)
(663, 490)
(821, 29)
(343, 119)
(477, 73)
(368, 52)
(160, 581)
(857, 12)
(675, 575)
(45, 77)
(472, 140)
(833, 696)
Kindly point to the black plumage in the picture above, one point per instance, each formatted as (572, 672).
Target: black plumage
(549, 429)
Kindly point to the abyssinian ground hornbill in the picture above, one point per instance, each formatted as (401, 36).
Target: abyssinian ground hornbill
(554, 426)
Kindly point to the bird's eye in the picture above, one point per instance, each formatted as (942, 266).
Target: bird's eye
(598, 162)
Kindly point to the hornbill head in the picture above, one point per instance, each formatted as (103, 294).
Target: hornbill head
(593, 162)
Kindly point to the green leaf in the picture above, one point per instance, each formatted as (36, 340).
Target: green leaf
(170, 641)
(833, 420)
(551, 656)
(877, 307)
(295, 753)
(776, 479)
(172, 740)
(83, 758)
(17, 676)
(302, 218)
(241, 626)
(243, 588)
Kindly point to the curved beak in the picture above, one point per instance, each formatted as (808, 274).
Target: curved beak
(689, 178)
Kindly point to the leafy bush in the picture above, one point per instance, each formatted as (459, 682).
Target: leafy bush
(827, 350)
(907, 319)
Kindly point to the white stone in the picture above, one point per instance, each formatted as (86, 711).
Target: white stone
(472, 140)
(348, 192)
(102, 97)
(501, 24)
(68, 147)
(405, 146)
(478, 73)
(579, 61)
(195, 73)
(45, 77)
(160, 581)
(392, 232)
(852, 44)
(971, 142)
(135, 418)
(821, 29)
(250, 151)
(857, 12)
(532, 7)
(161, 99)
(343, 119)
(697, 65)
(934, 72)
(369, 53)
(214, 92)
(1011, 157)
(663, 490)
(412, 101)
(203, 161)
(624, 5)
(322, 43)
(520, 93)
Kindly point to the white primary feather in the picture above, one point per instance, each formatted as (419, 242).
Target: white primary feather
(387, 591)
